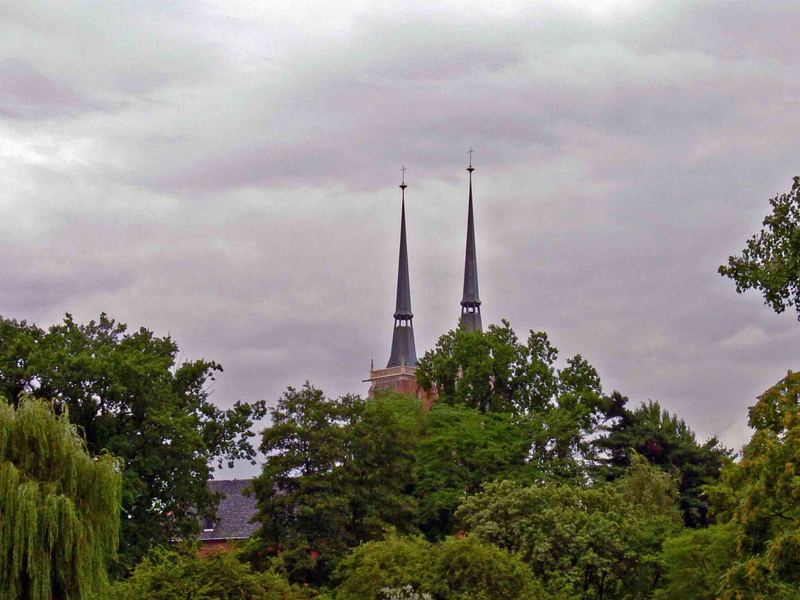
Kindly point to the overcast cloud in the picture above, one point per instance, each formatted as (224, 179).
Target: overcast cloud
(226, 173)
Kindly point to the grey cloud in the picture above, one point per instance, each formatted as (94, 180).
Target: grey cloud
(27, 94)
(85, 56)
(738, 31)
(227, 175)
(523, 99)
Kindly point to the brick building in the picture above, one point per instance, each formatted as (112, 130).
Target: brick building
(234, 513)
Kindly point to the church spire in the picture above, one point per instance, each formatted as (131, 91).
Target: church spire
(403, 305)
(403, 348)
(470, 301)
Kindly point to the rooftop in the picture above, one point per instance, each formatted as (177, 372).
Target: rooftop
(234, 512)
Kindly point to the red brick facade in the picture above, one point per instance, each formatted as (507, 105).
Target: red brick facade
(211, 547)
(402, 379)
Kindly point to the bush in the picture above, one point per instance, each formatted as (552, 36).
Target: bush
(468, 569)
(456, 569)
(171, 574)
(392, 563)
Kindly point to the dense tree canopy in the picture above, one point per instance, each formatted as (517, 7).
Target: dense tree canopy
(393, 563)
(526, 480)
(494, 371)
(459, 450)
(179, 573)
(770, 262)
(127, 394)
(455, 569)
(465, 568)
(665, 440)
(336, 474)
(695, 562)
(588, 542)
(760, 498)
(59, 507)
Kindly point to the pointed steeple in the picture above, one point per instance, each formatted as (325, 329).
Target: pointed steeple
(403, 304)
(403, 348)
(470, 301)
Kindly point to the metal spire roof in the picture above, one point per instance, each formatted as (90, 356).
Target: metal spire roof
(403, 305)
(403, 348)
(470, 301)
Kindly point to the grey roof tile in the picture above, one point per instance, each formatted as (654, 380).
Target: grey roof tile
(234, 512)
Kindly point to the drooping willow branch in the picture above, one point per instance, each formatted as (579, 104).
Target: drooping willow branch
(59, 507)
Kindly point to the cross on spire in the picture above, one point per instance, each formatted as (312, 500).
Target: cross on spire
(470, 168)
(403, 185)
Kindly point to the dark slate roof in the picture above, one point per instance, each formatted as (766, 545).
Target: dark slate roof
(404, 352)
(234, 511)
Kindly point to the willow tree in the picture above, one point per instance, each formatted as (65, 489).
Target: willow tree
(129, 393)
(59, 507)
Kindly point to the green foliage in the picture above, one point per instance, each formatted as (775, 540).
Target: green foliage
(127, 394)
(770, 262)
(695, 562)
(336, 474)
(495, 372)
(467, 569)
(172, 574)
(581, 542)
(649, 488)
(665, 440)
(393, 563)
(461, 449)
(761, 497)
(455, 569)
(59, 507)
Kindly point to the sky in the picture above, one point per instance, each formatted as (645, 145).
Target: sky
(226, 173)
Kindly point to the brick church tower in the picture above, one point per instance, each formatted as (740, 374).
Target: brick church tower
(400, 374)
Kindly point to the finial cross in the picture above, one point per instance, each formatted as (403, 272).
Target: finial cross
(470, 155)
(403, 169)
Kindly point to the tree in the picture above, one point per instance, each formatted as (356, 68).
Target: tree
(127, 394)
(455, 569)
(588, 542)
(179, 573)
(495, 372)
(770, 262)
(462, 448)
(336, 474)
(695, 562)
(759, 497)
(465, 568)
(492, 370)
(59, 507)
(649, 488)
(667, 441)
(393, 563)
